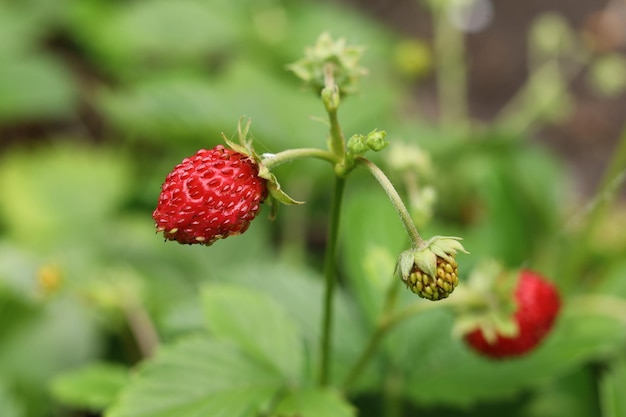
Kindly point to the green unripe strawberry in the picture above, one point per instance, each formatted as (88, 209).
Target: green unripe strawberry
(438, 287)
(431, 270)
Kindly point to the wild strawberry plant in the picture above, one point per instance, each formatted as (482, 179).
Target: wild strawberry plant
(252, 362)
(258, 324)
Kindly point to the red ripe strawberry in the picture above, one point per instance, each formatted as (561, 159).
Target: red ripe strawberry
(211, 195)
(538, 305)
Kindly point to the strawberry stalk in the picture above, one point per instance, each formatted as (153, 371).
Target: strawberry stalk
(416, 240)
(612, 179)
(331, 99)
(386, 322)
(330, 280)
(336, 144)
(273, 160)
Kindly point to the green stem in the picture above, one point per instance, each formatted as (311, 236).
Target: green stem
(392, 393)
(385, 324)
(537, 97)
(451, 70)
(597, 304)
(337, 146)
(329, 278)
(612, 179)
(337, 141)
(397, 202)
(141, 327)
(273, 160)
(331, 99)
(388, 320)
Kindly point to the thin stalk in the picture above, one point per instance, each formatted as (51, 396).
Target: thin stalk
(273, 160)
(612, 179)
(330, 281)
(388, 320)
(397, 202)
(337, 146)
(392, 391)
(142, 328)
(331, 99)
(451, 70)
(385, 324)
(337, 141)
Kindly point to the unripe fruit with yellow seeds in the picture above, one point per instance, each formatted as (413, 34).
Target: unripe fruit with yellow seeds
(437, 287)
(431, 271)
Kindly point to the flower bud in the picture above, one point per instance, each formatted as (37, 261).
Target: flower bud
(376, 140)
(356, 145)
(550, 34)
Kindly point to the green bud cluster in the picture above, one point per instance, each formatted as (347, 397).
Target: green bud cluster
(375, 141)
(343, 59)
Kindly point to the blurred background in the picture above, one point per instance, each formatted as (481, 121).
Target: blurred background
(510, 112)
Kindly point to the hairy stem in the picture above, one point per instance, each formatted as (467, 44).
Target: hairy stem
(337, 148)
(612, 179)
(142, 328)
(330, 98)
(397, 202)
(387, 322)
(273, 160)
(330, 281)
(451, 70)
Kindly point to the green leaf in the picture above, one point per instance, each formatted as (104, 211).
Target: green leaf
(612, 389)
(169, 110)
(93, 387)
(199, 377)
(62, 325)
(574, 394)
(314, 402)
(125, 38)
(372, 238)
(256, 323)
(299, 290)
(60, 192)
(9, 404)
(35, 87)
(19, 30)
(446, 370)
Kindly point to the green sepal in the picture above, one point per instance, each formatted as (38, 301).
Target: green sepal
(492, 288)
(444, 246)
(274, 188)
(491, 325)
(426, 260)
(405, 262)
(245, 147)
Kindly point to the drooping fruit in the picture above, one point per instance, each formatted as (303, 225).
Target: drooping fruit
(538, 304)
(211, 195)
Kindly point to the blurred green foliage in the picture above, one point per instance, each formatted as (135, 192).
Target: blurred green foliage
(99, 99)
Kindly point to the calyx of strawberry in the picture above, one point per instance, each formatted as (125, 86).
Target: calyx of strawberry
(490, 303)
(431, 270)
(245, 147)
